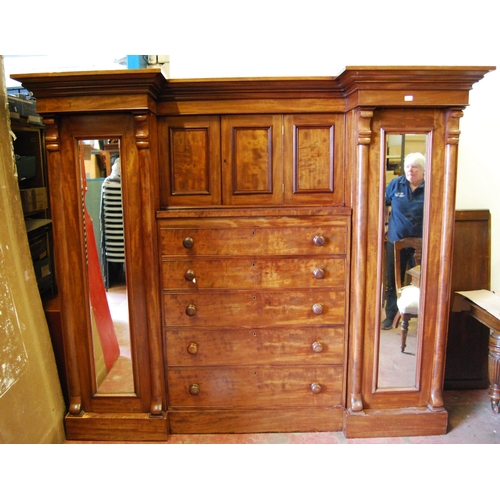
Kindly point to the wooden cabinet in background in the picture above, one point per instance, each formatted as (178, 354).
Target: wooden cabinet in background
(467, 349)
(29, 149)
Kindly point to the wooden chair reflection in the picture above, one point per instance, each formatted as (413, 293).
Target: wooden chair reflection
(408, 295)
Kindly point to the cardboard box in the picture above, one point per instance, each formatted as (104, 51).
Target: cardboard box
(32, 407)
(34, 199)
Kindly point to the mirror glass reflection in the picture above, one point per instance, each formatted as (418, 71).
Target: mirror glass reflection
(103, 214)
(404, 211)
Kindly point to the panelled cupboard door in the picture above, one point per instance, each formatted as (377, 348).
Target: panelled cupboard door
(313, 159)
(252, 160)
(252, 166)
(190, 161)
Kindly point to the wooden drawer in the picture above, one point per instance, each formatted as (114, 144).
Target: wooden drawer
(255, 386)
(253, 273)
(223, 309)
(255, 240)
(263, 346)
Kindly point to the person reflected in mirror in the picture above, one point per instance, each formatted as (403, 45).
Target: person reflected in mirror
(116, 172)
(404, 217)
(112, 231)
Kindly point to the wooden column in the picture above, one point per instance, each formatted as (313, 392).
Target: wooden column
(69, 318)
(452, 133)
(144, 124)
(359, 255)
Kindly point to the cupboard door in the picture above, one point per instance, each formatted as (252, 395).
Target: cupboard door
(252, 168)
(313, 159)
(189, 161)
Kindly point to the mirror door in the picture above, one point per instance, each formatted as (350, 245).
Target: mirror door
(403, 215)
(100, 165)
(89, 284)
(392, 377)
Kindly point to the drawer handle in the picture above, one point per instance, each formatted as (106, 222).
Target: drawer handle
(317, 346)
(189, 276)
(188, 242)
(317, 308)
(315, 388)
(319, 273)
(319, 240)
(191, 310)
(194, 389)
(192, 348)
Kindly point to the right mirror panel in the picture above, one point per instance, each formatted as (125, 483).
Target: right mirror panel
(404, 212)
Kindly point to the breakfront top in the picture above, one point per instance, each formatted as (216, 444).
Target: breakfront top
(148, 89)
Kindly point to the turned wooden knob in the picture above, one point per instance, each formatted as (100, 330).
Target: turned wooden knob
(193, 348)
(315, 387)
(319, 273)
(194, 389)
(191, 310)
(189, 276)
(319, 240)
(188, 242)
(317, 346)
(317, 308)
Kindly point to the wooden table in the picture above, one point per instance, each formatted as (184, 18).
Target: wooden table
(484, 306)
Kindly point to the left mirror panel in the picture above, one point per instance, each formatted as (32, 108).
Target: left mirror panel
(100, 167)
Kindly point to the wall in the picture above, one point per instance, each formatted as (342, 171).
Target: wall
(31, 402)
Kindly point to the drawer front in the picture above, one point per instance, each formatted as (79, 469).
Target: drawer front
(321, 239)
(255, 386)
(263, 346)
(223, 309)
(202, 273)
